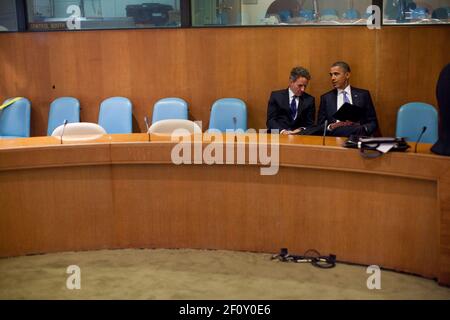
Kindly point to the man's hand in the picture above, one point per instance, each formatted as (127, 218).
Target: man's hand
(288, 132)
(342, 124)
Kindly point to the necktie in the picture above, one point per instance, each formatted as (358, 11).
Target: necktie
(294, 107)
(346, 99)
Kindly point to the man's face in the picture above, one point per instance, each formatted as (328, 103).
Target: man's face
(298, 86)
(339, 78)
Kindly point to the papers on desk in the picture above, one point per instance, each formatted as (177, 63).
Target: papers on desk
(385, 147)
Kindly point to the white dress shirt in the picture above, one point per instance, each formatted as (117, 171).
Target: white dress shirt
(340, 96)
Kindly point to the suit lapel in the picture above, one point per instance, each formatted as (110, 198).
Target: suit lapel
(356, 99)
(285, 101)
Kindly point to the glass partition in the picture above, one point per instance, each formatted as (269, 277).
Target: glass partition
(8, 15)
(416, 12)
(279, 12)
(102, 14)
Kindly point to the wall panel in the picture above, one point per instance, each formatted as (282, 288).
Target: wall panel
(397, 64)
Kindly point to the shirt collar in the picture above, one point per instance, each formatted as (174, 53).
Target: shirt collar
(291, 94)
(347, 89)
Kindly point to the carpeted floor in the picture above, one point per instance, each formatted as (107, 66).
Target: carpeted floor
(198, 274)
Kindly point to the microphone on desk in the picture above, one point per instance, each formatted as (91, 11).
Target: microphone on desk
(64, 127)
(234, 123)
(420, 137)
(147, 126)
(324, 132)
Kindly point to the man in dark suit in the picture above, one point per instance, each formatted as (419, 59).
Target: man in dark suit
(292, 109)
(331, 101)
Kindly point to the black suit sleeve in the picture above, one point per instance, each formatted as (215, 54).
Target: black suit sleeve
(310, 114)
(371, 122)
(273, 114)
(322, 116)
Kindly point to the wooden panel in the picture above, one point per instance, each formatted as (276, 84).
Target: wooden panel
(121, 191)
(54, 210)
(355, 216)
(397, 64)
(444, 201)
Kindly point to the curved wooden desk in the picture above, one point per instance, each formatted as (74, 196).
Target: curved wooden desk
(122, 191)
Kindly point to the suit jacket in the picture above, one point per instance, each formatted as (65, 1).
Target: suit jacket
(279, 111)
(360, 98)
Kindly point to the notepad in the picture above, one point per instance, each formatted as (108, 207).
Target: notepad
(349, 112)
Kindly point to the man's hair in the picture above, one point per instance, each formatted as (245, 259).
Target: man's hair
(343, 65)
(299, 72)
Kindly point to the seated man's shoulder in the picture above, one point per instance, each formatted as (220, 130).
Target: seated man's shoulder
(328, 93)
(364, 91)
(278, 92)
(307, 96)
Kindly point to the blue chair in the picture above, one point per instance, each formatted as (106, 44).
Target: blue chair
(351, 14)
(284, 15)
(170, 108)
(15, 120)
(228, 114)
(116, 115)
(307, 14)
(65, 108)
(329, 15)
(412, 117)
(420, 13)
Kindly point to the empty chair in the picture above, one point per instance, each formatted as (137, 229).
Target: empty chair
(80, 131)
(15, 119)
(171, 125)
(228, 114)
(307, 14)
(412, 117)
(170, 108)
(285, 15)
(351, 14)
(116, 115)
(329, 15)
(61, 109)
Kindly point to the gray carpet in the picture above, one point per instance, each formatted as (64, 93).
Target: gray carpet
(198, 274)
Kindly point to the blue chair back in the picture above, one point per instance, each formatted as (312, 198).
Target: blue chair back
(420, 13)
(412, 117)
(116, 115)
(65, 108)
(329, 12)
(228, 114)
(351, 14)
(284, 15)
(170, 108)
(307, 14)
(15, 119)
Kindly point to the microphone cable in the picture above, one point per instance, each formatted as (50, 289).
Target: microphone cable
(420, 137)
(312, 256)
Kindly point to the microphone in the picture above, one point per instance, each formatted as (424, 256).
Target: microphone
(316, 10)
(64, 127)
(420, 137)
(147, 126)
(234, 123)
(324, 132)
